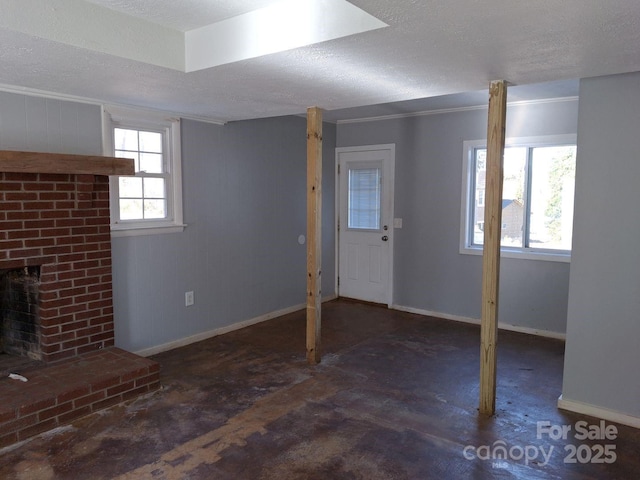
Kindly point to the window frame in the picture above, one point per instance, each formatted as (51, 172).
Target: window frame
(468, 198)
(378, 166)
(121, 117)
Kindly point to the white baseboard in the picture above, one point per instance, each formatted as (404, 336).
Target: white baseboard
(476, 321)
(598, 412)
(147, 352)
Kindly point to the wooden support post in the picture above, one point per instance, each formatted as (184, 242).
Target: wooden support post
(314, 233)
(491, 253)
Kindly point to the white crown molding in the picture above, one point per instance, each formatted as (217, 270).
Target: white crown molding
(216, 121)
(454, 110)
(33, 92)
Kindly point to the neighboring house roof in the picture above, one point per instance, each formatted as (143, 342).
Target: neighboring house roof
(506, 202)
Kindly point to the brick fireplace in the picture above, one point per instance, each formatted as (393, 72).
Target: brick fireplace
(59, 223)
(55, 255)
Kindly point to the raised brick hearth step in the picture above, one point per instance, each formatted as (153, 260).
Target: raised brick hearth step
(58, 394)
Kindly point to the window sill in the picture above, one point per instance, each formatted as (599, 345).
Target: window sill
(522, 255)
(130, 231)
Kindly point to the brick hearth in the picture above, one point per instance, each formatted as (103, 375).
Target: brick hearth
(59, 222)
(58, 394)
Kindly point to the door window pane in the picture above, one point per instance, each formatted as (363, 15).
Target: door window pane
(364, 202)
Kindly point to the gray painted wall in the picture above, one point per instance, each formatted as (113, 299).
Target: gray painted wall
(244, 194)
(429, 272)
(602, 357)
(244, 190)
(45, 125)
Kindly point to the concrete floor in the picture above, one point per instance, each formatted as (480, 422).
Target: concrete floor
(395, 397)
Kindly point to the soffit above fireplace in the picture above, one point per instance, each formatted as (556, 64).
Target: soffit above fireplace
(35, 162)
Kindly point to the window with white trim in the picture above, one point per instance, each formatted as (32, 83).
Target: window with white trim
(537, 197)
(151, 200)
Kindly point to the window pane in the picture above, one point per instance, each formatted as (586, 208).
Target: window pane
(126, 154)
(552, 188)
(145, 195)
(150, 142)
(130, 187)
(364, 198)
(125, 139)
(154, 188)
(515, 159)
(131, 208)
(478, 202)
(154, 209)
(151, 163)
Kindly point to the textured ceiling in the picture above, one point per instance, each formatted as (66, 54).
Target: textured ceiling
(183, 15)
(430, 49)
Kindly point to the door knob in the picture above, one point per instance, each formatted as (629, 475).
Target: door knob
(385, 238)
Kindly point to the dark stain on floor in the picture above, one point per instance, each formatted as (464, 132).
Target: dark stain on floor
(395, 397)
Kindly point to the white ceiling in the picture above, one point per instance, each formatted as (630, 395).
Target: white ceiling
(430, 49)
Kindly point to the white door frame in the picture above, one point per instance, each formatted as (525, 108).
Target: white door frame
(385, 146)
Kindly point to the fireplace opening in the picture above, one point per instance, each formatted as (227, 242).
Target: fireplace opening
(19, 321)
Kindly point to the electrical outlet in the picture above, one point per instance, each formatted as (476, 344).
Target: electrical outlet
(188, 299)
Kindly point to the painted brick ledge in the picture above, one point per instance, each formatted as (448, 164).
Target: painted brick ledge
(58, 394)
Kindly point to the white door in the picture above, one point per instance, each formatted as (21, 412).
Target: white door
(365, 222)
